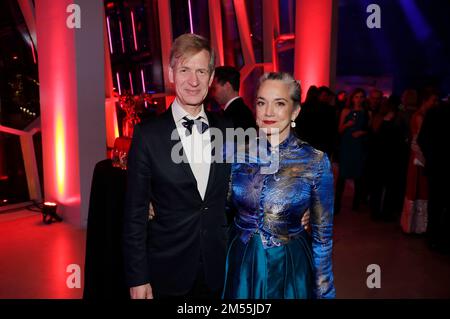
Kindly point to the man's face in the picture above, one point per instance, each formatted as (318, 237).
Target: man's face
(219, 92)
(375, 98)
(192, 78)
(324, 97)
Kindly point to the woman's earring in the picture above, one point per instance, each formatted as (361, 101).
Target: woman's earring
(293, 124)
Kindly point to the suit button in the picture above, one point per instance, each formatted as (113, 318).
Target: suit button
(205, 209)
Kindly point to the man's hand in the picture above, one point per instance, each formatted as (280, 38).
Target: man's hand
(151, 211)
(141, 292)
(305, 221)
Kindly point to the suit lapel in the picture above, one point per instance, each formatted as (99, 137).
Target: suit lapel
(185, 163)
(213, 167)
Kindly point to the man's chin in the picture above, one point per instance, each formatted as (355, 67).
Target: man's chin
(193, 102)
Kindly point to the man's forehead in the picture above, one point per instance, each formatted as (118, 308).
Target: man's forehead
(197, 60)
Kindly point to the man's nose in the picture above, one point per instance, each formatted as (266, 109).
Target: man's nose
(193, 79)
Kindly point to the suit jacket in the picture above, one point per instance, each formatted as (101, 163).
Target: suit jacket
(240, 114)
(166, 251)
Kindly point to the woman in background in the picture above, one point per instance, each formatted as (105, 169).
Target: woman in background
(414, 217)
(353, 127)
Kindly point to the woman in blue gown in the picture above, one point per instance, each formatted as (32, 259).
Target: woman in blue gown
(270, 255)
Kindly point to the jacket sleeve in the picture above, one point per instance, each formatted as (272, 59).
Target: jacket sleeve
(136, 212)
(322, 201)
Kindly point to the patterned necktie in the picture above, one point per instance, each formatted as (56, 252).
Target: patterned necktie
(189, 123)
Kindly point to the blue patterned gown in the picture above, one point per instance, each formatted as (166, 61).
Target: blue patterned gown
(270, 255)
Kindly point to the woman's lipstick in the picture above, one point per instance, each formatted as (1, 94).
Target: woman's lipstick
(269, 122)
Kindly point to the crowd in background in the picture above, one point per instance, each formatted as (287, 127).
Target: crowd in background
(392, 148)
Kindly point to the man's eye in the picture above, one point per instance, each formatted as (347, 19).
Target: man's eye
(259, 103)
(280, 104)
(183, 70)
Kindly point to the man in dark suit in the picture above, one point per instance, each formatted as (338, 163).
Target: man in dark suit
(225, 90)
(433, 140)
(181, 251)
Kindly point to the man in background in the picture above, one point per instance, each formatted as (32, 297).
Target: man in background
(225, 90)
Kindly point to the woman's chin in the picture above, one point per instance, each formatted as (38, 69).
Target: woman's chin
(269, 130)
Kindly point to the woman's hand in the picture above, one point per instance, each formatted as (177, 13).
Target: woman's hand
(305, 221)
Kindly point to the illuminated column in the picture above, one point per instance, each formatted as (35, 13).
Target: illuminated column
(72, 93)
(244, 32)
(27, 8)
(215, 23)
(271, 29)
(314, 43)
(165, 23)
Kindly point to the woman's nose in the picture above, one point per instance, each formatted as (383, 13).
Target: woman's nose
(269, 110)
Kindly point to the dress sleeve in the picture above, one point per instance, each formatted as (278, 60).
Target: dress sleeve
(322, 201)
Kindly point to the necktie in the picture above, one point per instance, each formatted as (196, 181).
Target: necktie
(201, 126)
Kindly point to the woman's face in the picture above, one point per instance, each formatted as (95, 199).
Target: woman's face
(275, 108)
(358, 99)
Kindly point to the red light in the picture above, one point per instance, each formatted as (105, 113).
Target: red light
(312, 53)
(110, 5)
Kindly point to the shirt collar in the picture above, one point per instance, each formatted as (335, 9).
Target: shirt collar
(178, 113)
(230, 101)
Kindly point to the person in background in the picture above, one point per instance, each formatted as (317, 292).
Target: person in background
(225, 90)
(317, 122)
(408, 106)
(374, 102)
(387, 139)
(433, 140)
(353, 127)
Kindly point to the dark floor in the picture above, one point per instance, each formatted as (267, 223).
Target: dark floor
(34, 258)
(408, 268)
